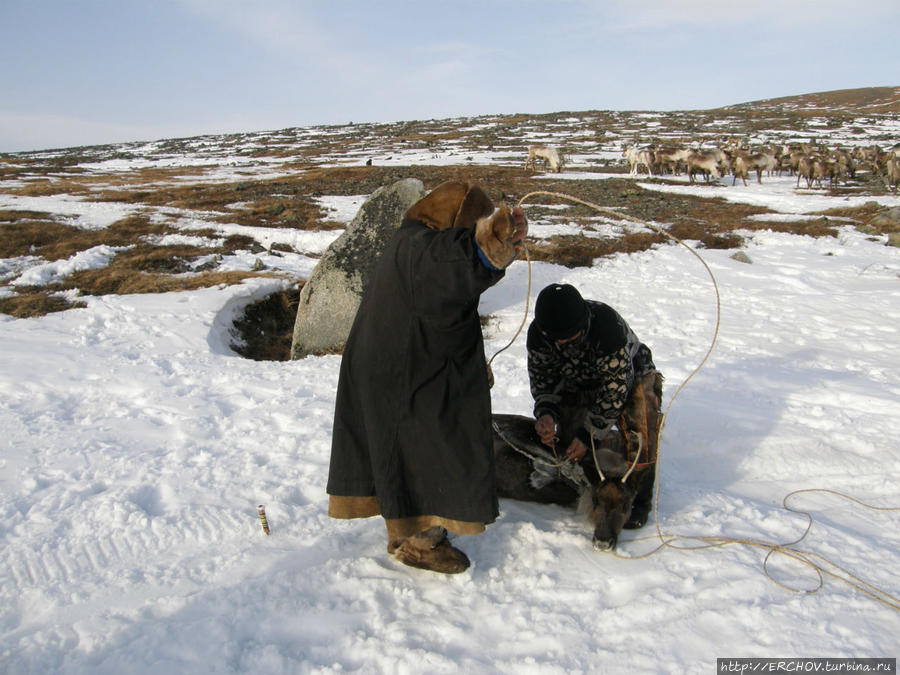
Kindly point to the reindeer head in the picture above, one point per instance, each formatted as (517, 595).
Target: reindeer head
(625, 464)
(607, 502)
(608, 506)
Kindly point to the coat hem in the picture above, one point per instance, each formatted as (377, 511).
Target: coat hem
(352, 507)
(346, 508)
(401, 528)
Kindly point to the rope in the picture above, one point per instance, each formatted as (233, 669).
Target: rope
(623, 216)
(821, 565)
(525, 317)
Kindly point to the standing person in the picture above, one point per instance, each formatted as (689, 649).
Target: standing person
(586, 367)
(412, 424)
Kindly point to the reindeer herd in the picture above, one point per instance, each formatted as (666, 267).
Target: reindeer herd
(813, 163)
(810, 162)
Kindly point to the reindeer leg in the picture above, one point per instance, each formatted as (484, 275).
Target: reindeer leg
(643, 500)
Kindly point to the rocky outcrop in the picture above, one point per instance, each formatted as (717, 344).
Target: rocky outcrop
(888, 220)
(331, 296)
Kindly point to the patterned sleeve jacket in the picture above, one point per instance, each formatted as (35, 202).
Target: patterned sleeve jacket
(602, 366)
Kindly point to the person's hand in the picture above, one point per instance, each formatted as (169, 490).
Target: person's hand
(545, 427)
(521, 229)
(576, 450)
(502, 235)
(490, 376)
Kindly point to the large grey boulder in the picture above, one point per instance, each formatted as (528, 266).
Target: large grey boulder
(331, 296)
(888, 220)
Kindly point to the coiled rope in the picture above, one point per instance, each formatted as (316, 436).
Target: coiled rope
(819, 564)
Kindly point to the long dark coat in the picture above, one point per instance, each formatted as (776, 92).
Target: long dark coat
(412, 422)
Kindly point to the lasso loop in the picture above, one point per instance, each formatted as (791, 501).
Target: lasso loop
(656, 228)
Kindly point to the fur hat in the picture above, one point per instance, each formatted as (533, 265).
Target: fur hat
(560, 311)
(452, 204)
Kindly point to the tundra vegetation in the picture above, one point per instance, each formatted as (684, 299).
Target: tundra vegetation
(189, 204)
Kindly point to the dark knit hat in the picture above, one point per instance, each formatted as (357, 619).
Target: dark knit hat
(560, 311)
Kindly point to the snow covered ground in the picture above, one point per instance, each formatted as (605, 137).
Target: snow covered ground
(136, 446)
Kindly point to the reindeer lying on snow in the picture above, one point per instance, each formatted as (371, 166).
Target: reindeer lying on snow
(613, 484)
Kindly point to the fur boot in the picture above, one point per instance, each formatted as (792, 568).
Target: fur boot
(430, 550)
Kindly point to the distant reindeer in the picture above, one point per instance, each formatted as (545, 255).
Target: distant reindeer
(812, 168)
(545, 153)
(669, 160)
(706, 162)
(892, 169)
(743, 163)
(638, 157)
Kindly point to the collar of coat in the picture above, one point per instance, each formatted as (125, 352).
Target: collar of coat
(452, 204)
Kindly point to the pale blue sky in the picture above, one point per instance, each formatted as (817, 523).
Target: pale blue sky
(79, 72)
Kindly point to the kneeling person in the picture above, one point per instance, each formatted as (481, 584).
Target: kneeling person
(588, 372)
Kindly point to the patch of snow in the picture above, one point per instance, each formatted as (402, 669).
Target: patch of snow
(93, 258)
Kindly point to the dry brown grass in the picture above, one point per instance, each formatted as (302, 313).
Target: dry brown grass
(298, 213)
(821, 227)
(30, 303)
(44, 187)
(276, 203)
(580, 251)
(141, 268)
(15, 215)
(55, 241)
(865, 217)
(120, 279)
(352, 180)
(862, 100)
(29, 234)
(76, 182)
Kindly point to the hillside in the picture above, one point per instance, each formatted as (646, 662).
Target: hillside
(878, 100)
(172, 213)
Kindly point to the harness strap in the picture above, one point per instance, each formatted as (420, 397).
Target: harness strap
(569, 471)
